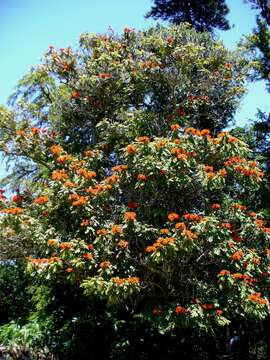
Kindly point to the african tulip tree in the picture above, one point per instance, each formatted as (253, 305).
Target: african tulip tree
(144, 213)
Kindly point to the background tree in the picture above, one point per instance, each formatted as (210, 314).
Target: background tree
(202, 15)
(259, 44)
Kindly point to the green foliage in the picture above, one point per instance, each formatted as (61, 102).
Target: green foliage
(14, 297)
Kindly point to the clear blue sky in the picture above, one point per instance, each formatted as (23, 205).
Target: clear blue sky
(29, 26)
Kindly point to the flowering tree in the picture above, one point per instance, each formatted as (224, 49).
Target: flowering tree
(114, 88)
(131, 208)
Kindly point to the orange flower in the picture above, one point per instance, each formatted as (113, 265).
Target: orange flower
(77, 164)
(259, 223)
(156, 311)
(95, 190)
(75, 95)
(143, 139)
(228, 66)
(104, 76)
(35, 130)
(56, 149)
(69, 184)
(252, 214)
(160, 143)
(180, 226)
(219, 312)
(131, 149)
(150, 249)
(208, 168)
(117, 229)
(44, 261)
(59, 174)
(104, 265)
(102, 232)
(223, 133)
(256, 297)
(237, 255)
(74, 196)
(210, 175)
(88, 153)
(86, 173)
(175, 151)
(238, 276)
(119, 168)
(231, 245)
(164, 231)
(192, 217)
(66, 246)
(239, 207)
(189, 234)
(52, 242)
(118, 281)
(82, 200)
(41, 200)
(226, 225)
(69, 269)
(130, 216)
(90, 247)
(142, 177)
(256, 261)
(167, 240)
(20, 133)
(112, 179)
(13, 211)
(191, 131)
(232, 139)
(133, 280)
(182, 157)
(215, 206)
(122, 244)
(175, 127)
(180, 310)
(17, 198)
(85, 222)
(205, 132)
(87, 256)
(222, 172)
(173, 217)
(224, 272)
(63, 158)
(207, 306)
(234, 160)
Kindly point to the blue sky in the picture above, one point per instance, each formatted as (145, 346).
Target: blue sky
(29, 26)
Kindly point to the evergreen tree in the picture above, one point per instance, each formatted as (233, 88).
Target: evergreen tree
(259, 43)
(202, 15)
